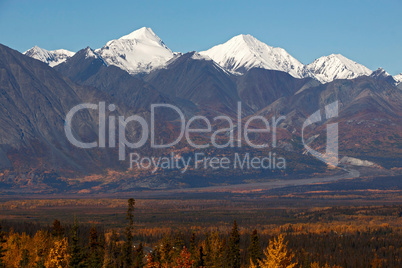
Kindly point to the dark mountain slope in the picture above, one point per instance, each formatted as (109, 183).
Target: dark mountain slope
(259, 87)
(33, 105)
(369, 118)
(191, 77)
(88, 68)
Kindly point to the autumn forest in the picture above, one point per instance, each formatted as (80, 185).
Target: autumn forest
(321, 237)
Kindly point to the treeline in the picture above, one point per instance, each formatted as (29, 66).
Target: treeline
(83, 245)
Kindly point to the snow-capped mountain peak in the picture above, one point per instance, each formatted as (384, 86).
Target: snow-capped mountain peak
(142, 33)
(198, 56)
(90, 53)
(138, 52)
(52, 58)
(335, 66)
(398, 78)
(142, 51)
(380, 72)
(244, 52)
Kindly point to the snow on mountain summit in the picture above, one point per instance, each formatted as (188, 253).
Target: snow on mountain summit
(198, 56)
(142, 33)
(138, 52)
(335, 66)
(143, 51)
(398, 78)
(52, 58)
(380, 72)
(244, 52)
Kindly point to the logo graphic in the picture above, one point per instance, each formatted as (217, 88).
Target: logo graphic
(330, 156)
(109, 125)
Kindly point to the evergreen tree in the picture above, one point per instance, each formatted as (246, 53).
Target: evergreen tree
(192, 245)
(234, 247)
(93, 239)
(201, 256)
(208, 252)
(101, 247)
(178, 242)
(76, 253)
(139, 256)
(113, 251)
(254, 250)
(57, 229)
(2, 249)
(128, 258)
(156, 255)
(95, 253)
(224, 254)
(166, 251)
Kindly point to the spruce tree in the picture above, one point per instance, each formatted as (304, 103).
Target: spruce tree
(234, 247)
(209, 262)
(2, 249)
(95, 255)
(192, 245)
(57, 230)
(178, 243)
(201, 256)
(114, 251)
(166, 250)
(101, 247)
(139, 256)
(254, 250)
(77, 256)
(128, 258)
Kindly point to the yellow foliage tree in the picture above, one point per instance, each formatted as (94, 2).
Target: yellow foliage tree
(252, 265)
(58, 256)
(17, 254)
(277, 255)
(41, 245)
(315, 265)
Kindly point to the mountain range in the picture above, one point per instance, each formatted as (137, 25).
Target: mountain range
(143, 51)
(52, 58)
(39, 88)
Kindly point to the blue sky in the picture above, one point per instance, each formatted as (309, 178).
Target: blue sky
(368, 32)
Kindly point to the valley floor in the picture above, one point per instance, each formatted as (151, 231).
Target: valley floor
(351, 220)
